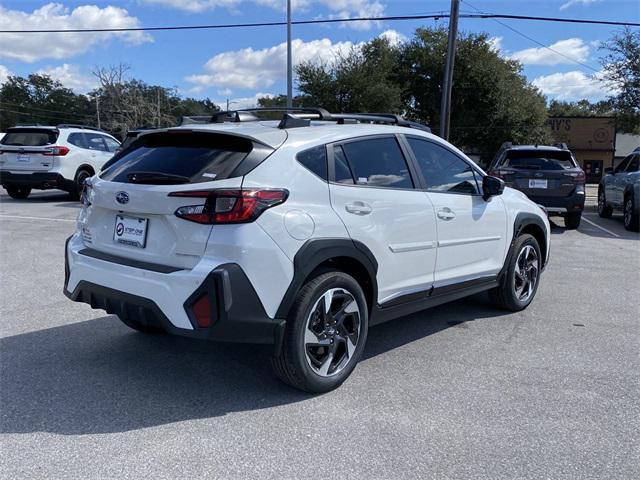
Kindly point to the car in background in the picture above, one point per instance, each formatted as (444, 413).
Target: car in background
(548, 175)
(619, 190)
(129, 138)
(47, 157)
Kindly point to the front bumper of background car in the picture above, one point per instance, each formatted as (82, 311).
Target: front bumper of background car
(171, 299)
(37, 180)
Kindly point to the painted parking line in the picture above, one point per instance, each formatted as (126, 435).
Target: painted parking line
(584, 219)
(21, 217)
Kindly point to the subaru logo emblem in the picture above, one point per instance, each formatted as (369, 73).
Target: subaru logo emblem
(539, 174)
(122, 197)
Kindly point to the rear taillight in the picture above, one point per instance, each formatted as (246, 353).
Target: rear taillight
(55, 150)
(579, 177)
(229, 206)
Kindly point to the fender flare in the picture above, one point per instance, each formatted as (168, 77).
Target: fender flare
(524, 219)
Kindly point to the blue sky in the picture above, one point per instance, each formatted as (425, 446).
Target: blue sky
(241, 64)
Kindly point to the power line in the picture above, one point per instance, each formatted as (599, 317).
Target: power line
(329, 20)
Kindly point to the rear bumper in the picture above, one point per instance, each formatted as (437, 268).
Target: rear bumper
(560, 205)
(165, 299)
(37, 180)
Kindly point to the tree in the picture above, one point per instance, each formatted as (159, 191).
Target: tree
(360, 80)
(581, 108)
(621, 67)
(492, 102)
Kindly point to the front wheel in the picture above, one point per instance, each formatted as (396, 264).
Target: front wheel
(631, 218)
(572, 220)
(520, 282)
(325, 334)
(19, 193)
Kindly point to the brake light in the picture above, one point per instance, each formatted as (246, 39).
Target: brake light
(577, 176)
(229, 206)
(55, 150)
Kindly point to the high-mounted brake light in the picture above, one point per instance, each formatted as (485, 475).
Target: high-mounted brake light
(55, 150)
(229, 206)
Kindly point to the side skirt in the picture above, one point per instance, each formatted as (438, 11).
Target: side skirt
(431, 298)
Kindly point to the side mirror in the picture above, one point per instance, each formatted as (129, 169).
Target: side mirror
(608, 171)
(491, 186)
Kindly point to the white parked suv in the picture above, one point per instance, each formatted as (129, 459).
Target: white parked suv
(61, 157)
(301, 233)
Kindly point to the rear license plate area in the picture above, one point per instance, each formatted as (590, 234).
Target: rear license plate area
(535, 183)
(131, 231)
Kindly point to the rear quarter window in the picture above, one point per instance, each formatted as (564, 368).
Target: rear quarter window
(193, 156)
(30, 137)
(315, 160)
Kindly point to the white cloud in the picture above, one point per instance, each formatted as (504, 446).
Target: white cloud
(36, 46)
(571, 3)
(336, 8)
(4, 74)
(70, 77)
(495, 43)
(252, 69)
(573, 85)
(574, 48)
(393, 37)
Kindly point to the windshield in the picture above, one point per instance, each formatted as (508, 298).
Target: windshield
(539, 160)
(179, 157)
(30, 137)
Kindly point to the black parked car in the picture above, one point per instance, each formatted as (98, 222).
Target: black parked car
(548, 175)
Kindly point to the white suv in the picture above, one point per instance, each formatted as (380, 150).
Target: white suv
(301, 234)
(60, 157)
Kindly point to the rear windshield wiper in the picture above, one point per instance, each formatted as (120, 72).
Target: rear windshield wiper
(158, 178)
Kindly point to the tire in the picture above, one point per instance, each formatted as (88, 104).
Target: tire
(604, 210)
(19, 193)
(506, 295)
(572, 220)
(311, 335)
(78, 183)
(630, 218)
(139, 326)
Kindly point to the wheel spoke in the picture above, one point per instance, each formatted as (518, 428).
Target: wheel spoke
(326, 364)
(310, 338)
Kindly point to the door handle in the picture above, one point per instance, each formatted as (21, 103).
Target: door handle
(358, 208)
(446, 214)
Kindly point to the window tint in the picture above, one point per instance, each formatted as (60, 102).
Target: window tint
(633, 164)
(112, 145)
(179, 157)
(622, 166)
(29, 137)
(343, 172)
(315, 159)
(95, 142)
(539, 160)
(378, 162)
(77, 139)
(442, 169)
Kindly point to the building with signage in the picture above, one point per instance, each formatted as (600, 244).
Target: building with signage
(591, 139)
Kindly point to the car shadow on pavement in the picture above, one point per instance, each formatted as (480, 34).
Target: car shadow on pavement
(98, 376)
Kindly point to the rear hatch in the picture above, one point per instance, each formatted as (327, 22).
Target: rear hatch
(131, 213)
(548, 173)
(28, 149)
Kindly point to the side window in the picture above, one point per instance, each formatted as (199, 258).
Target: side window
(343, 172)
(77, 139)
(633, 164)
(443, 171)
(112, 145)
(378, 162)
(622, 166)
(315, 159)
(95, 142)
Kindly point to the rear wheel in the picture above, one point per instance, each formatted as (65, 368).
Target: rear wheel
(604, 210)
(78, 184)
(325, 334)
(139, 326)
(631, 220)
(572, 220)
(18, 193)
(520, 282)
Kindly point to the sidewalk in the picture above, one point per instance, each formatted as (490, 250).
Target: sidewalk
(591, 191)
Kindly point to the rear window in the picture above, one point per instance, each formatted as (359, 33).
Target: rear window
(179, 157)
(539, 160)
(30, 137)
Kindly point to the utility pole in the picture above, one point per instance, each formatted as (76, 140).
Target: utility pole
(227, 104)
(98, 109)
(445, 106)
(289, 65)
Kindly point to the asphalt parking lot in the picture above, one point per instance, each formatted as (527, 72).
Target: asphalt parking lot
(459, 391)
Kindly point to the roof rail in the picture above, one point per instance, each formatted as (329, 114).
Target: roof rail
(74, 125)
(561, 145)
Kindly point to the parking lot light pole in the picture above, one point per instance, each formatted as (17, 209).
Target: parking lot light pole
(289, 66)
(445, 106)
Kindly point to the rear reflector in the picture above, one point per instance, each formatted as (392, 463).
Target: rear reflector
(229, 206)
(202, 311)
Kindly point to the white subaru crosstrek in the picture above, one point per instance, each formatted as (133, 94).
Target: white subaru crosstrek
(301, 233)
(62, 157)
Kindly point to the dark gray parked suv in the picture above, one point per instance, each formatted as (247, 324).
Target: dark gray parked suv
(548, 175)
(619, 189)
